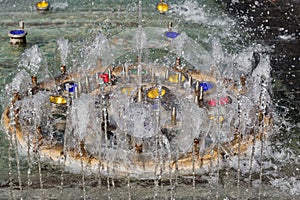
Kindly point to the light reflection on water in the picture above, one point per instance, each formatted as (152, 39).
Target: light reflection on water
(79, 20)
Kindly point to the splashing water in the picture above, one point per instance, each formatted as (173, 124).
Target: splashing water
(110, 129)
(31, 60)
(64, 49)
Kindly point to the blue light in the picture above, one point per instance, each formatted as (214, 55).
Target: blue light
(70, 86)
(206, 86)
(17, 32)
(171, 34)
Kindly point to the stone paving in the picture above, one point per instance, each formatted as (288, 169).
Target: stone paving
(276, 23)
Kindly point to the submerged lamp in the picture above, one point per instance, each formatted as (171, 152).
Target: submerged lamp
(162, 7)
(18, 36)
(153, 93)
(175, 78)
(135, 72)
(127, 90)
(223, 101)
(206, 86)
(57, 100)
(171, 34)
(42, 6)
(70, 86)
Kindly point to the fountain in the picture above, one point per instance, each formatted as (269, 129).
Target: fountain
(134, 113)
(146, 105)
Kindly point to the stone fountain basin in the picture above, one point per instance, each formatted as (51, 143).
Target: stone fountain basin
(131, 162)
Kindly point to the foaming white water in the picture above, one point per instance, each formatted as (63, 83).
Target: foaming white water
(31, 60)
(138, 120)
(200, 13)
(64, 48)
(90, 51)
(19, 83)
(290, 185)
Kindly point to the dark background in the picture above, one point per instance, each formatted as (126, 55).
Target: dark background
(270, 22)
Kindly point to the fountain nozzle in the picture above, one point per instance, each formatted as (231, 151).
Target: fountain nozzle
(200, 102)
(63, 70)
(139, 99)
(177, 62)
(33, 81)
(173, 116)
(22, 25)
(139, 148)
(170, 25)
(243, 80)
(16, 97)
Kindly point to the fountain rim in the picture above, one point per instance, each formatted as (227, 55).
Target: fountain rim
(211, 154)
(74, 161)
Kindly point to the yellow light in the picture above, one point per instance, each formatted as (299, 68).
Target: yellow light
(162, 7)
(153, 93)
(221, 118)
(175, 78)
(58, 100)
(42, 4)
(127, 90)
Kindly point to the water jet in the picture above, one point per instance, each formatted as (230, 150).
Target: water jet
(146, 103)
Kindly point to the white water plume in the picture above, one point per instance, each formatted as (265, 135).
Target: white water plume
(64, 48)
(20, 82)
(37, 104)
(83, 116)
(97, 48)
(200, 13)
(140, 38)
(31, 60)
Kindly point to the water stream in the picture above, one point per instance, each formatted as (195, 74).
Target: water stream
(134, 114)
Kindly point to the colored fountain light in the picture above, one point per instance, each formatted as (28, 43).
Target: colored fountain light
(57, 100)
(176, 78)
(70, 86)
(155, 93)
(132, 113)
(162, 7)
(135, 71)
(104, 77)
(207, 86)
(171, 34)
(18, 36)
(127, 90)
(42, 6)
(107, 125)
(222, 101)
(17, 33)
(122, 119)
